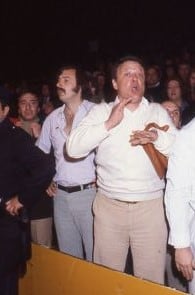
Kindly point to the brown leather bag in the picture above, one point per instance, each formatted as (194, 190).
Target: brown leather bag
(158, 160)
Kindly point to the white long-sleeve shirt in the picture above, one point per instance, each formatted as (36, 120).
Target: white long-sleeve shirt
(180, 189)
(123, 171)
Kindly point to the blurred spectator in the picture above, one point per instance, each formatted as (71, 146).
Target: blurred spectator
(41, 213)
(174, 90)
(173, 111)
(154, 89)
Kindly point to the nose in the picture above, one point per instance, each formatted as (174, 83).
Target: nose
(134, 77)
(59, 82)
(28, 106)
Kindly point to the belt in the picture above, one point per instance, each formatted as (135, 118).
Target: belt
(77, 188)
(129, 202)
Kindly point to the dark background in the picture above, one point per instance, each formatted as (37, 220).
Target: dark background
(38, 37)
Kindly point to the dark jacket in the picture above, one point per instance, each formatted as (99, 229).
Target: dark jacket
(25, 171)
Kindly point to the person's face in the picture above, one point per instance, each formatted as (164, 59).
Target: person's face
(28, 107)
(129, 82)
(67, 85)
(170, 72)
(101, 81)
(3, 112)
(184, 71)
(173, 111)
(152, 77)
(48, 107)
(173, 90)
(192, 79)
(45, 90)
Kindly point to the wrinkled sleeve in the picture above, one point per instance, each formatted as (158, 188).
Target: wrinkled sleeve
(44, 139)
(179, 191)
(166, 139)
(89, 133)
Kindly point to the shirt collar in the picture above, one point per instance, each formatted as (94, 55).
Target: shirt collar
(143, 101)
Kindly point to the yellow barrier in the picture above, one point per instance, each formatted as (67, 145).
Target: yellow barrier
(53, 273)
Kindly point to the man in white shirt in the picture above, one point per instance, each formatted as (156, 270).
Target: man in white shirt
(73, 186)
(180, 202)
(128, 208)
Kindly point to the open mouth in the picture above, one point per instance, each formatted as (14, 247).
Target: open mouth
(60, 91)
(134, 89)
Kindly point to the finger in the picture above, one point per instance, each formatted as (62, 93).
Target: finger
(186, 271)
(10, 210)
(50, 192)
(126, 101)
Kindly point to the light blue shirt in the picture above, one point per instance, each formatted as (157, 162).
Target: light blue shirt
(68, 172)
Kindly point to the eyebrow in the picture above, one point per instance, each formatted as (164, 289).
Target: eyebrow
(31, 100)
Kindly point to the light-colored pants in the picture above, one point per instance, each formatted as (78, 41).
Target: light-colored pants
(41, 231)
(74, 222)
(191, 285)
(174, 277)
(118, 225)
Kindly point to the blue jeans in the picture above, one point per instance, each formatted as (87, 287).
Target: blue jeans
(74, 222)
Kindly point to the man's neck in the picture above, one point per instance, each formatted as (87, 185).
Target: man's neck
(132, 106)
(73, 105)
(35, 119)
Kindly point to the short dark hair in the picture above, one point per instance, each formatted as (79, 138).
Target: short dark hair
(121, 60)
(28, 91)
(79, 73)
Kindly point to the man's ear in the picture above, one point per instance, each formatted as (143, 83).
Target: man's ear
(114, 84)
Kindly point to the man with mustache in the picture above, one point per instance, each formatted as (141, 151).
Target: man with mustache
(128, 208)
(73, 186)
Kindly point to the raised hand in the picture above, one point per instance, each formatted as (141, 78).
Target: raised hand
(116, 114)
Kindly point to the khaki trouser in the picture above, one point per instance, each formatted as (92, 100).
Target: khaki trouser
(142, 226)
(41, 231)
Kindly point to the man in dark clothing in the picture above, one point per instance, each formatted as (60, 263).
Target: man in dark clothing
(25, 172)
(41, 212)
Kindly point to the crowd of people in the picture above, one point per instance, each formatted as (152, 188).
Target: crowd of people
(75, 164)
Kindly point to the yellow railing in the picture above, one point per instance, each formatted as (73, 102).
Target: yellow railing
(53, 273)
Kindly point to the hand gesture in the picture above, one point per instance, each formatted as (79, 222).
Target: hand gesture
(13, 206)
(116, 114)
(143, 137)
(35, 129)
(184, 262)
(52, 189)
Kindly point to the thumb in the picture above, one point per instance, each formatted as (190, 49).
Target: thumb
(124, 102)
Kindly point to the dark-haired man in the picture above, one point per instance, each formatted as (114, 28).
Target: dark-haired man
(73, 186)
(41, 213)
(128, 208)
(25, 173)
